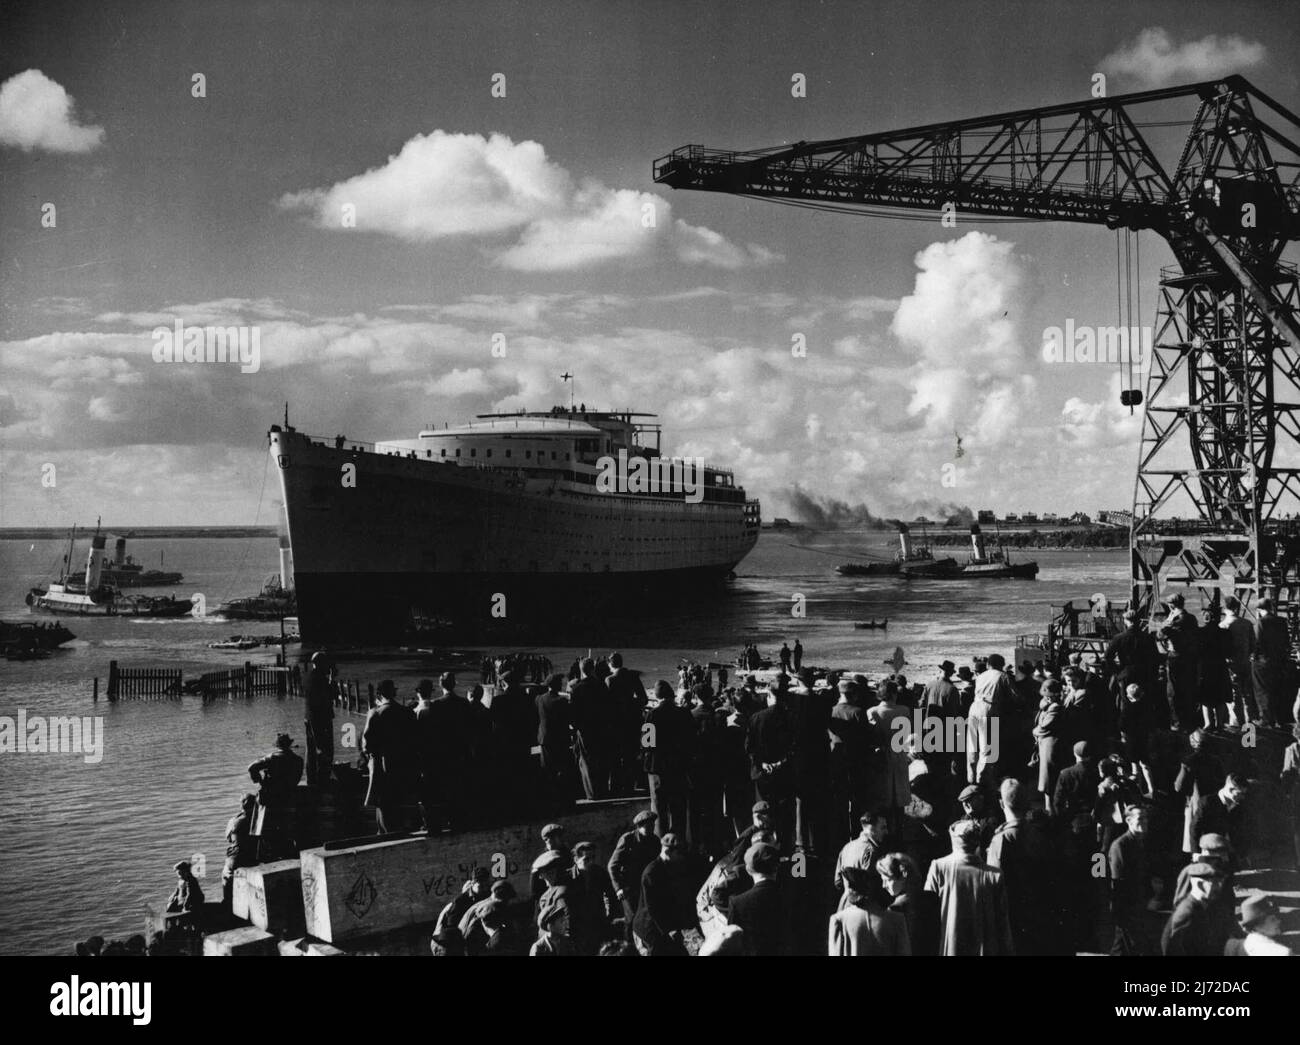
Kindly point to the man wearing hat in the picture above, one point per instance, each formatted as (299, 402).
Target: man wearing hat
(447, 738)
(276, 777)
(1241, 644)
(850, 734)
(632, 855)
(514, 732)
(593, 904)
(554, 927)
(667, 748)
(550, 869)
(974, 806)
(389, 743)
(1196, 929)
(1180, 633)
(594, 729)
(627, 701)
(477, 887)
(319, 692)
(810, 710)
(770, 743)
(1269, 662)
(972, 899)
(556, 854)
(482, 920)
(940, 697)
(666, 923)
(187, 897)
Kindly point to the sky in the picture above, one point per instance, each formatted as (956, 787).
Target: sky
(385, 194)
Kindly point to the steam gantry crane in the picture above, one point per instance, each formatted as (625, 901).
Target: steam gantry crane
(1226, 344)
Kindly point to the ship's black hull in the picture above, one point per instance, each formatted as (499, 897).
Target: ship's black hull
(574, 608)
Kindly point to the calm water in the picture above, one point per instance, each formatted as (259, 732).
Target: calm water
(85, 847)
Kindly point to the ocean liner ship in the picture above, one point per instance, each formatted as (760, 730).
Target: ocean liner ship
(501, 521)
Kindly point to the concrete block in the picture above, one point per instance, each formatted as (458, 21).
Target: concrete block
(270, 896)
(239, 943)
(366, 890)
(320, 949)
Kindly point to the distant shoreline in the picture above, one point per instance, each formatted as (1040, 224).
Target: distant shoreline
(41, 533)
(1097, 537)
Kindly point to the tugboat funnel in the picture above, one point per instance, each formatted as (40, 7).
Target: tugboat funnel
(94, 562)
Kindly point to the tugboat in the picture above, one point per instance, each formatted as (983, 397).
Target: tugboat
(93, 598)
(985, 564)
(125, 572)
(911, 560)
(277, 598)
(273, 602)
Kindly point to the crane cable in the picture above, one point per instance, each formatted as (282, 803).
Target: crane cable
(1124, 304)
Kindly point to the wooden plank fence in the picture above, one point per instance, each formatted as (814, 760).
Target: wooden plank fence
(251, 680)
(143, 683)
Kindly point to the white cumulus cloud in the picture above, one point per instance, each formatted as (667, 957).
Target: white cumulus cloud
(1154, 60)
(37, 113)
(533, 214)
(960, 320)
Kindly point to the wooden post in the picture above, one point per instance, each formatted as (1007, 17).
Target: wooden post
(95, 695)
(248, 679)
(112, 681)
(370, 694)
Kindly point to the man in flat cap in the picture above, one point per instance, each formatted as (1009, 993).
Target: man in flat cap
(1194, 929)
(554, 928)
(557, 849)
(975, 808)
(632, 855)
